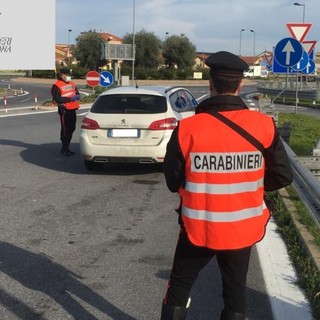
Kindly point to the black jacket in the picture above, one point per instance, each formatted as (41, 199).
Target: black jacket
(278, 173)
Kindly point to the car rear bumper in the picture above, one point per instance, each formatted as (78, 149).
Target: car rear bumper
(106, 159)
(122, 154)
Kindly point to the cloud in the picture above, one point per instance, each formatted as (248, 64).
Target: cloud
(209, 25)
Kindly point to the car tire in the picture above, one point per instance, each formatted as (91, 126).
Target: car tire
(93, 166)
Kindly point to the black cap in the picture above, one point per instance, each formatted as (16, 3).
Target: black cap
(65, 71)
(226, 64)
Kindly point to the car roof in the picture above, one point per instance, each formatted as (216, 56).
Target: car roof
(157, 90)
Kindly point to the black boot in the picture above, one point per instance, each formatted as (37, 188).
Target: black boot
(68, 144)
(66, 152)
(173, 312)
(229, 315)
(71, 152)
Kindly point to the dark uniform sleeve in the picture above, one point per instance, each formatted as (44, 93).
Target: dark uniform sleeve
(174, 163)
(278, 169)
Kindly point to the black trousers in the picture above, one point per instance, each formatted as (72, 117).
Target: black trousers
(190, 259)
(68, 120)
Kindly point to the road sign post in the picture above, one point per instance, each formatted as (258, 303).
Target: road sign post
(294, 55)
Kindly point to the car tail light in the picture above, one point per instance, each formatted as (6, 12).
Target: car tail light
(164, 124)
(89, 124)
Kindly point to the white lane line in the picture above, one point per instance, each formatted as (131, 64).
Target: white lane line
(286, 298)
(35, 112)
(24, 114)
(203, 96)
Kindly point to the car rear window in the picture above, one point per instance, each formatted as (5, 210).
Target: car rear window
(120, 103)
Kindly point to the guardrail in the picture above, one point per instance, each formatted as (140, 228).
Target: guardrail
(306, 90)
(306, 185)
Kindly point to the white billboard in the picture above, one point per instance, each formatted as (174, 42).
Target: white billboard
(27, 35)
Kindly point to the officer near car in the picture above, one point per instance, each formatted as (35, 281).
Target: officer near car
(65, 93)
(221, 161)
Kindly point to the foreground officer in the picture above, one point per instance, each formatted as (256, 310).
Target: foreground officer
(221, 177)
(65, 93)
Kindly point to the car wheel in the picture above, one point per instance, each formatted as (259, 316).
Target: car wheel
(93, 166)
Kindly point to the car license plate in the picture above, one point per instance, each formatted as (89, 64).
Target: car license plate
(123, 133)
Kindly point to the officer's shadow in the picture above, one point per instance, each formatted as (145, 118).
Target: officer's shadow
(49, 156)
(38, 272)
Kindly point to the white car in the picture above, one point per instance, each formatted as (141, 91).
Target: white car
(133, 124)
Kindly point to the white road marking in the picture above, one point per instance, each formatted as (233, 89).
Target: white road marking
(34, 112)
(286, 298)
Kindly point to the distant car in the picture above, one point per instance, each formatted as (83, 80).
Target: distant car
(133, 124)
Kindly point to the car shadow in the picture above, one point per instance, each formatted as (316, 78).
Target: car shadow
(39, 272)
(49, 156)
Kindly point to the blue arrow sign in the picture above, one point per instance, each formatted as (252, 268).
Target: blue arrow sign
(311, 55)
(288, 52)
(276, 68)
(309, 68)
(302, 63)
(106, 79)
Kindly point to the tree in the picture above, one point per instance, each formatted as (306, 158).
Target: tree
(88, 50)
(148, 47)
(179, 52)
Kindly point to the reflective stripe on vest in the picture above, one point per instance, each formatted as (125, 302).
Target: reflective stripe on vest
(223, 188)
(223, 216)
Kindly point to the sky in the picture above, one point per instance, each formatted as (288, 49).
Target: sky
(211, 25)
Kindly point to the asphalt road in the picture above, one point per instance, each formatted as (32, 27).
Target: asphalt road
(79, 245)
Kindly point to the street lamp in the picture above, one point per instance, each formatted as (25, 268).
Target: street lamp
(133, 38)
(303, 16)
(304, 9)
(69, 47)
(254, 46)
(240, 41)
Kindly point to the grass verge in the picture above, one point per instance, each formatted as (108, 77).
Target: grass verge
(305, 132)
(307, 272)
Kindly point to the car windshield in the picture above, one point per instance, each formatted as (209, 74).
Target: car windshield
(122, 103)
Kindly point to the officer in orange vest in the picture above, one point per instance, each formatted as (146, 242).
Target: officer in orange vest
(65, 93)
(221, 175)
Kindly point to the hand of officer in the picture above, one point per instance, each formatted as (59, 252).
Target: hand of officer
(76, 97)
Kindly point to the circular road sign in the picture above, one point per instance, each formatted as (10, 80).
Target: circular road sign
(288, 52)
(302, 64)
(310, 68)
(106, 79)
(93, 78)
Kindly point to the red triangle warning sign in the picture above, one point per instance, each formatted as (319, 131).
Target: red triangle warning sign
(309, 45)
(299, 30)
(268, 58)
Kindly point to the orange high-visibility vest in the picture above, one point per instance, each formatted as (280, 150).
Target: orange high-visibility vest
(222, 198)
(68, 90)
